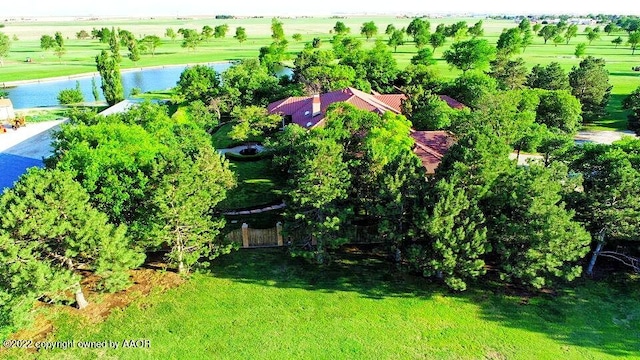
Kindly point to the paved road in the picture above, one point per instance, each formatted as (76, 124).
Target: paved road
(599, 137)
(602, 137)
(24, 148)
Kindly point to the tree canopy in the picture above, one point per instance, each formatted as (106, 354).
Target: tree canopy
(632, 102)
(198, 82)
(610, 199)
(550, 77)
(340, 28)
(376, 66)
(510, 41)
(470, 54)
(47, 214)
(590, 84)
(241, 34)
(369, 29)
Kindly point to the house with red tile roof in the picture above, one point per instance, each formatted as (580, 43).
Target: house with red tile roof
(431, 146)
(309, 112)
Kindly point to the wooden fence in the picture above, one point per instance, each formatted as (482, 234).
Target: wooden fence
(363, 234)
(249, 237)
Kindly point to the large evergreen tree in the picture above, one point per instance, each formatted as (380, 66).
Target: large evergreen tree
(590, 84)
(48, 215)
(455, 238)
(320, 180)
(188, 191)
(533, 235)
(610, 201)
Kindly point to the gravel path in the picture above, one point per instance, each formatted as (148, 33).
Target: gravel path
(257, 211)
(236, 149)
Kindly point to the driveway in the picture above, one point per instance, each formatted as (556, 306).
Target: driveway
(602, 137)
(24, 148)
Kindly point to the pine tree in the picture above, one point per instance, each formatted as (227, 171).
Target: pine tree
(455, 238)
(47, 215)
(188, 191)
(534, 236)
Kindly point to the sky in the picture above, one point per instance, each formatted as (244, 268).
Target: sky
(144, 8)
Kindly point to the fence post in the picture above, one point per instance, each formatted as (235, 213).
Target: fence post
(245, 235)
(279, 233)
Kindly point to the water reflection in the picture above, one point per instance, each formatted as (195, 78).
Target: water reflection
(45, 93)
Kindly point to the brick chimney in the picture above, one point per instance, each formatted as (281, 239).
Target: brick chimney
(315, 108)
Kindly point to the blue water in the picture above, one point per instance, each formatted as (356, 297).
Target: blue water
(45, 93)
(13, 167)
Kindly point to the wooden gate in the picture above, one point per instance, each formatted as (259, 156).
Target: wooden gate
(249, 237)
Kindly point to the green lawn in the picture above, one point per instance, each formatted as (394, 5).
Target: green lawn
(261, 304)
(258, 185)
(257, 182)
(155, 95)
(221, 139)
(35, 116)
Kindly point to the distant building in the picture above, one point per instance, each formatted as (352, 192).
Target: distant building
(6, 110)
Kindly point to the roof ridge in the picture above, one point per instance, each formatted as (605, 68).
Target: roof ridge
(430, 150)
(298, 99)
(372, 100)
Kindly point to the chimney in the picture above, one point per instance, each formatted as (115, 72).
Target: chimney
(315, 108)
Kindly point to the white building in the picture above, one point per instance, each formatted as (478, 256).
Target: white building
(6, 110)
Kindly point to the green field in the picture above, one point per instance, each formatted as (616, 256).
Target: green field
(81, 53)
(261, 304)
(257, 185)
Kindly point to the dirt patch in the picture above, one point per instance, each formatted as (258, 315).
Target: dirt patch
(100, 304)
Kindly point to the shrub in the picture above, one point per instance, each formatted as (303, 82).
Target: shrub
(136, 91)
(70, 96)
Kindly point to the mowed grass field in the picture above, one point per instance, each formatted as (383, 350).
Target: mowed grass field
(80, 56)
(261, 304)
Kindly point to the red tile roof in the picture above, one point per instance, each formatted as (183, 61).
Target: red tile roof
(430, 146)
(452, 102)
(300, 108)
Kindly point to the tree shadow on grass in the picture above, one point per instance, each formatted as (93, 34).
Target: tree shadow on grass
(591, 314)
(616, 117)
(597, 315)
(369, 275)
(629, 73)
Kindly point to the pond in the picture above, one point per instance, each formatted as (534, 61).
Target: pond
(45, 93)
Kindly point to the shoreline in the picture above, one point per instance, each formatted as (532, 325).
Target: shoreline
(10, 84)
